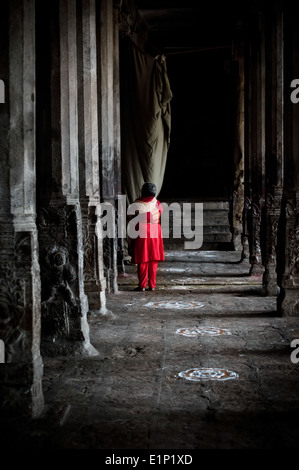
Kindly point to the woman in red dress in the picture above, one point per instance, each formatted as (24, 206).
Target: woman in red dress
(148, 247)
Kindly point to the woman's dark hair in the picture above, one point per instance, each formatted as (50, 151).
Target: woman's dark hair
(148, 189)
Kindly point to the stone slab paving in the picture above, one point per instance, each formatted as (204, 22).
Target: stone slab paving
(197, 270)
(132, 396)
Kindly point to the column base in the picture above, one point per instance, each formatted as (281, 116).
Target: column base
(63, 347)
(21, 388)
(270, 281)
(288, 303)
(257, 270)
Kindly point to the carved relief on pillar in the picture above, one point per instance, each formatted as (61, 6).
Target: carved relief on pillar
(290, 214)
(11, 311)
(290, 280)
(110, 263)
(294, 251)
(255, 239)
(64, 303)
(255, 257)
(109, 245)
(59, 292)
(272, 217)
(89, 246)
(20, 300)
(237, 216)
(245, 235)
(93, 269)
(20, 325)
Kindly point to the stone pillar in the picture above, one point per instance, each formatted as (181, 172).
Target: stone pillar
(247, 151)
(272, 221)
(64, 301)
(238, 195)
(275, 148)
(20, 319)
(116, 98)
(245, 235)
(109, 181)
(288, 301)
(117, 129)
(257, 268)
(94, 279)
(255, 180)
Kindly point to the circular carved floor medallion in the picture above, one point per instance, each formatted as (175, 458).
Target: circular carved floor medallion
(208, 374)
(203, 331)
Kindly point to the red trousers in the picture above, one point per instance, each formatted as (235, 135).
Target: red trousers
(147, 271)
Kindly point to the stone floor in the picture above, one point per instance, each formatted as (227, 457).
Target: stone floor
(203, 362)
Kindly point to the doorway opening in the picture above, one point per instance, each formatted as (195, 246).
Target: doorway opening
(203, 110)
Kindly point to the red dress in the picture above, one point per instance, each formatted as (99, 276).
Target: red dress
(148, 247)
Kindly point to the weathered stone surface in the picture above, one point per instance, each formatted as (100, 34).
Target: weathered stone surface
(60, 132)
(132, 396)
(20, 318)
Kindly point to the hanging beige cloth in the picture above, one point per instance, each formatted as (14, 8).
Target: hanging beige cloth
(145, 120)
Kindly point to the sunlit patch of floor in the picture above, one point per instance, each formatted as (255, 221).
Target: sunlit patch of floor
(188, 280)
(172, 270)
(168, 304)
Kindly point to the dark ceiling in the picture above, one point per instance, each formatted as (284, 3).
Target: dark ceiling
(185, 24)
(199, 39)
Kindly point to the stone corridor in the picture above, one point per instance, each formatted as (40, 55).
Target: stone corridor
(206, 313)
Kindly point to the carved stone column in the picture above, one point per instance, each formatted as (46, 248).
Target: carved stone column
(109, 179)
(239, 155)
(117, 129)
(245, 234)
(20, 318)
(60, 221)
(255, 137)
(257, 268)
(275, 147)
(89, 176)
(272, 216)
(289, 301)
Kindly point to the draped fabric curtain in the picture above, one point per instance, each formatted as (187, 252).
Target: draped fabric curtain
(145, 119)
